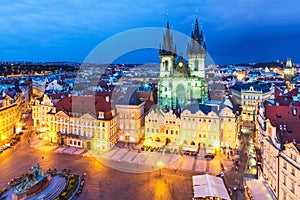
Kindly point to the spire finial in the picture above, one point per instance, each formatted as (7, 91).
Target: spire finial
(197, 13)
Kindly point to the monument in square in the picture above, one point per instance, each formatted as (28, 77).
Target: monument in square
(35, 183)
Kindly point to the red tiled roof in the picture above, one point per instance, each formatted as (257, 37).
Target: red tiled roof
(286, 99)
(283, 116)
(148, 105)
(85, 104)
(144, 94)
(56, 96)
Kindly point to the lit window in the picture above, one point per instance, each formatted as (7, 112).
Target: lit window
(284, 179)
(292, 187)
(293, 172)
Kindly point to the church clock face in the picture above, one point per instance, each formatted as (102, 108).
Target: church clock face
(180, 64)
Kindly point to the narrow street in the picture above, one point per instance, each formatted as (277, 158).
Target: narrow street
(234, 179)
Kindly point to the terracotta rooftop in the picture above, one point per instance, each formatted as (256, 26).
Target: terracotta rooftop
(286, 119)
(84, 104)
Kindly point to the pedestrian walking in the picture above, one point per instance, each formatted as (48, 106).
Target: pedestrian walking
(43, 157)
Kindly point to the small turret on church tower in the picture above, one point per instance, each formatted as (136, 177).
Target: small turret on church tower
(197, 52)
(167, 54)
(289, 70)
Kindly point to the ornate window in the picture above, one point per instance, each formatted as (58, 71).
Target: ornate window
(166, 65)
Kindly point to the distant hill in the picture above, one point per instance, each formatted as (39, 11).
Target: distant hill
(262, 64)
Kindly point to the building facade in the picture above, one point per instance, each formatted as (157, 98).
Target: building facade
(85, 122)
(197, 125)
(277, 123)
(248, 95)
(162, 127)
(179, 83)
(10, 114)
(289, 172)
(130, 121)
(288, 71)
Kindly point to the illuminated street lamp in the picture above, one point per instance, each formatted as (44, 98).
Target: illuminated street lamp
(3, 137)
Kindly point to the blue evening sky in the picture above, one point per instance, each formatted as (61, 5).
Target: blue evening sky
(67, 30)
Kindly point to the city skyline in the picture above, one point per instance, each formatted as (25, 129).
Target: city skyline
(235, 31)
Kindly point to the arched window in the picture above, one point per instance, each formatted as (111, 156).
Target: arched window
(166, 65)
(196, 65)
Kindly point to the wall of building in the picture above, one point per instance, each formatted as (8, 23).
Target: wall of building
(10, 114)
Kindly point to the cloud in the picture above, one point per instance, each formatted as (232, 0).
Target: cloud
(61, 23)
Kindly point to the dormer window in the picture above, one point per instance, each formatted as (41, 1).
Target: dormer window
(294, 111)
(101, 115)
(113, 112)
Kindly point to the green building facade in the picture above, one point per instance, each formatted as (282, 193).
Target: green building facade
(181, 83)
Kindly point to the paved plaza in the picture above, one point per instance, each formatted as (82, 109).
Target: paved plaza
(108, 176)
(122, 156)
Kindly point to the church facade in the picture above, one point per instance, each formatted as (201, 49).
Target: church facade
(181, 83)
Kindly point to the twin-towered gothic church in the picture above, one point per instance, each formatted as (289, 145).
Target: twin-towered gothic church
(182, 83)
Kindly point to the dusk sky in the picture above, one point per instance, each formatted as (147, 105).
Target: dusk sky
(235, 30)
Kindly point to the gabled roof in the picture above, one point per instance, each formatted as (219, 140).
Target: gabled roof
(84, 104)
(257, 87)
(286, 119)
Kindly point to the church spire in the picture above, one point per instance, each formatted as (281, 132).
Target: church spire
(289, 63)
(196, 31)
(197, 44)
(167, 47)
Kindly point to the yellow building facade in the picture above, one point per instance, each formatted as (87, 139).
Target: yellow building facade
(10, 114)
(248, 95)
(162, 127)
(40, 108)
(289, 172)
(75, 125)
(196, 126)
(131, 122)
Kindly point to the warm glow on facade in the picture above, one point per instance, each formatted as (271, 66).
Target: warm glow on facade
(10, 114)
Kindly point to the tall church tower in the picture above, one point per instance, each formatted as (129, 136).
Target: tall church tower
(167, 54)
(181, 84)
(197, 53)
(289, 70)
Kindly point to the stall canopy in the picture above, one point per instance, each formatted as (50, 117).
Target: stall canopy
(259, 190)
(209, 186)
(153, 144)
(190, 148)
